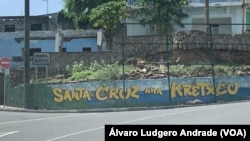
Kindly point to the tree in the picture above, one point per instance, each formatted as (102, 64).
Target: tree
(78, 10)
(105, 14)
(108, 16)
(164, 13)
(63, 19)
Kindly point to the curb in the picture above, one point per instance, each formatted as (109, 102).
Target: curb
(15, 109)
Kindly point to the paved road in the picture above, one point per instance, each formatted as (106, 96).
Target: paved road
(31, 126)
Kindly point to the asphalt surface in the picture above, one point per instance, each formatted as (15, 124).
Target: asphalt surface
(26, 125)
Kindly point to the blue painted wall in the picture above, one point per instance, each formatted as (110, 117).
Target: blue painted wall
(143, 93)
(9, 47)
(138, 93)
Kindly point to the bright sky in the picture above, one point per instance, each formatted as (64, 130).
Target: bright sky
(37, 7)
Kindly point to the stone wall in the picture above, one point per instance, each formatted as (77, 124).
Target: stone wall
(144, 46)
(141, 46)
(183, 46)
(60, 60)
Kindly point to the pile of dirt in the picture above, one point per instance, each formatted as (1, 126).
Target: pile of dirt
(155, 66)
(201, 56)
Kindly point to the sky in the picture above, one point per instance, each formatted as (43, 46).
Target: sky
(37, 7)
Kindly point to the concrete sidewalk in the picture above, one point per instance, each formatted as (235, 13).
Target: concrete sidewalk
(8, 108)
(17, 109)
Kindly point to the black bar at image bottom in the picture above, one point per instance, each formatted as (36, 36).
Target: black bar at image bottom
(177, 132)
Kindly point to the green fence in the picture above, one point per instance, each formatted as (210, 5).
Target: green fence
(157, 55)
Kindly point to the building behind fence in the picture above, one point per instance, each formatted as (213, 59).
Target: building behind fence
(169, 68)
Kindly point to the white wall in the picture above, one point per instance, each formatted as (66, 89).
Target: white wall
(134, 29)
(221, 15)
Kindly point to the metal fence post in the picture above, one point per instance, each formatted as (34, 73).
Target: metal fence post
(26, 54)
(168, 65)
(212, 59)
(123, 64)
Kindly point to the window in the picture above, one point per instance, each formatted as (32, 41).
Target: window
(248, 19)
(215, 29)
(86, 49)
(36, 27)
(33, 50)
(9, 28)
(64, 49)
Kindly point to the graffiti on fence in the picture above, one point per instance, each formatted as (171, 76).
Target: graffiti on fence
(202, 88)
(103, 93)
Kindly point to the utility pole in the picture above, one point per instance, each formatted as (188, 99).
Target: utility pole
(207, 16)
(26, 52)
(243, 16)
(47, 6)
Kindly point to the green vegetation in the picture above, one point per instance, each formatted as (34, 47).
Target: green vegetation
(97, 14)
(96, 71)
(108, 14)
(163, 13)
(101, 71)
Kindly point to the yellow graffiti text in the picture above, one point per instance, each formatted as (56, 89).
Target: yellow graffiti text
(153, 91)
(203, 88)
(69, 95)
(105, 92)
